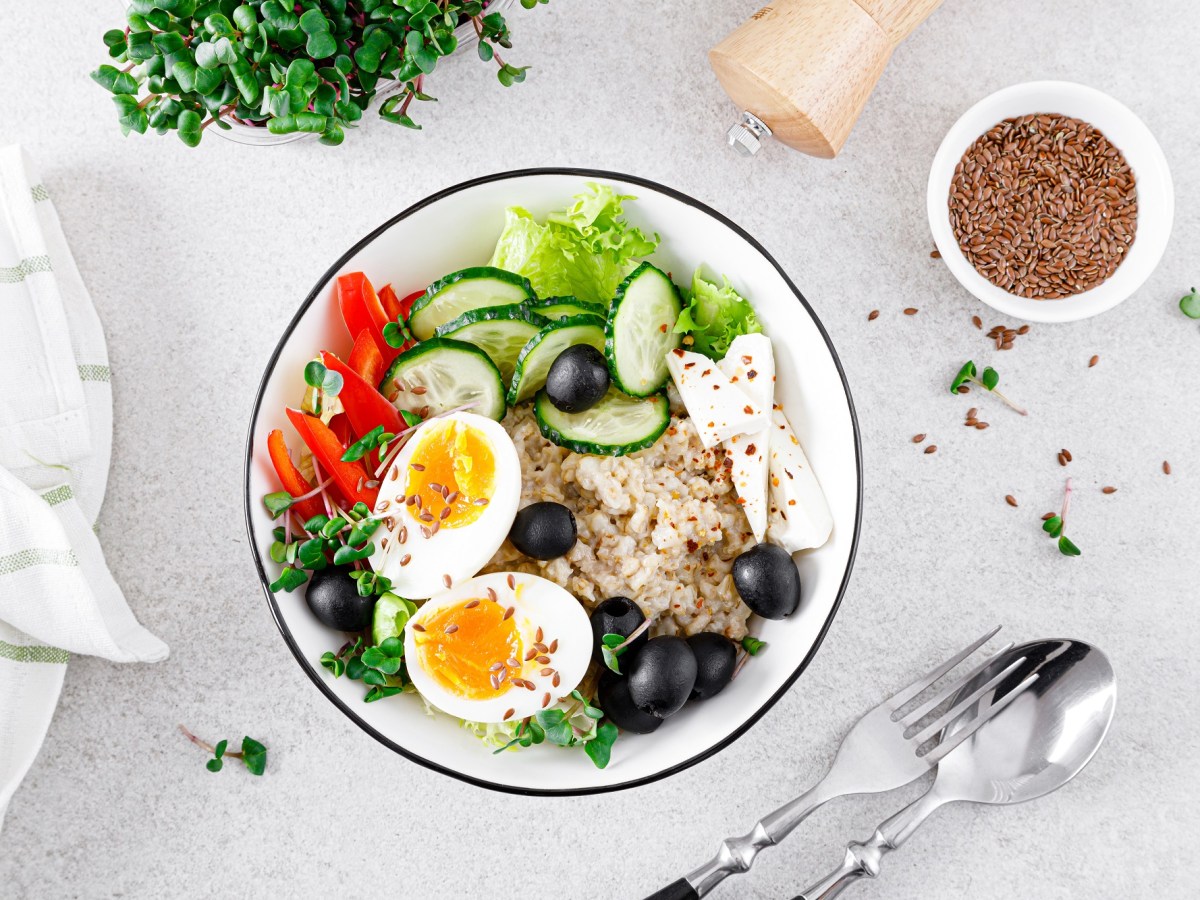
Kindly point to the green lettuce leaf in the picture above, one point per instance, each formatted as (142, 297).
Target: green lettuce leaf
(584, 251)
(714, 316)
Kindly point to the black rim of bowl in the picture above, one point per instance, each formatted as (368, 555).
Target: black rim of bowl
(312, 672)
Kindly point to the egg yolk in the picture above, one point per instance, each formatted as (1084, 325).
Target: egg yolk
(453, 468)
(467, 646)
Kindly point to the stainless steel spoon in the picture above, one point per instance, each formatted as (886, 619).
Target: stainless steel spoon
(1034, 746)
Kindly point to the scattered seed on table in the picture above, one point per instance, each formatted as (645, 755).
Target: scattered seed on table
(1166, 467)
(1024, 329)
(1110, 490)
(910, 311)
(981, 425)
(932, 448)
(873, 315)
(936, 254)
(971, 422)
(917, 438)
(1048, 516)
(1062, 460)
(963, 389)
(1010, 499)
(978, 322)
(972, 412)
(1093, 361)
(1067, 454)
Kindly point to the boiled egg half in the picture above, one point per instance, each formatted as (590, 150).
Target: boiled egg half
(446, 504)
(498, 647)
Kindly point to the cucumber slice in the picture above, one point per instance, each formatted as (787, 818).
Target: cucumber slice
(564, 307)
(392, 613)
(458, 292)
(529, 375)
(453, 374)
(617, 425)
(640, 330)
(499, 331)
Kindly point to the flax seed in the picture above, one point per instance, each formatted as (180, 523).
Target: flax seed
(472, 604)
(1093, 361)
(450, 629)
(492, 595)
(556, 680)
(512, 583)
(932, 448)
(918, 438)
(553, 648)
(405, 559)
(417, 626)
(508, 715)
(546, 672)
(1110, 490)
(1166, 467)
(545, 700)
(978, 322)
(1066, 454)
(981, 425)
(416, 467)
(538, 635)
(1010, 499)
(873, 315)
(418, 390)
(508, 613)
(1048, 516)
(911, 311)
(446, 580)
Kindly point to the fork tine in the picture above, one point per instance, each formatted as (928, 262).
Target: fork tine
(938, 753)
(950, 690)
(953, 712)
(907, 694)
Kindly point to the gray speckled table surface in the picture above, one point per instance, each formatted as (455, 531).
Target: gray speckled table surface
(197, 258)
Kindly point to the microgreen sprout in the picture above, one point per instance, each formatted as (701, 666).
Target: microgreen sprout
(613, 645)
(380, 667)
(576, 724)
(253, 754)
(411, 419)
(375, 438)
(988, 381)
(1189, 304)
(1054, 526)
(397, 334)
(323, 379)
(278, 503)
(753, 645)
(313, 66)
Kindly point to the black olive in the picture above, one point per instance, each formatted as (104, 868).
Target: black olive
(614, 699)
(661, 676)
(617, 615)
(716, 657)
(333, 597)
(578, 378)
(766, 578)
(544, 530)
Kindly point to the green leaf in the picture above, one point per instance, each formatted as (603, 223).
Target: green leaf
(1189, 304)
(485, 51)
(215, 765)
(382, 661)
(1066, 548)
(129, 115)
(321, 45)
(188, 124)
(311, 553)
(612, 641)
(610, 659)
(362, 447)
(226, 52)
(373, 676)
(411, 419)
(289, 579)
(1053, 526)
(378, 693)
(557, 729)
(316, 523)
(393, 335)
(254, 756)
(330, 661)
(206, 56)
(219, 750)
(277, 503)
(990, 378)
(965, 374)
(314, 374)
(356, 668)
(333, 527)
(392, 646)
(114, 80)
(599, 748)
(346, 554)
(278, 551)
(753, 645)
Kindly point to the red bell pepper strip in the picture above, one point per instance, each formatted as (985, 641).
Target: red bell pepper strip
(365, 407)
(361, 309)
(342, 428)
(390, 303)
(350, 477)
(290, 477)
(365, 358)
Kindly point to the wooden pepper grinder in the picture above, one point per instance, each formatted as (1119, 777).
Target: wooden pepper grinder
(802, 70)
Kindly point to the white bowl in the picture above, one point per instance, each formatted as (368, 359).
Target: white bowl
(456, 228)
(1156, 197)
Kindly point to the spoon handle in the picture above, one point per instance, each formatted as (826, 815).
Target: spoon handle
(863, 858)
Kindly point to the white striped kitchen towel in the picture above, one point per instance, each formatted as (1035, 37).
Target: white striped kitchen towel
(56, 593)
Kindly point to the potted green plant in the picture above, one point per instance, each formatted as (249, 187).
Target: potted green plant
(272, 71)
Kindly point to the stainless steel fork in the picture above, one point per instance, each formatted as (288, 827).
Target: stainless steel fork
(881, 752)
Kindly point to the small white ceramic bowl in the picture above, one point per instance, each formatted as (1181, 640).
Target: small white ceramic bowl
(1156, 197)
(458, 227)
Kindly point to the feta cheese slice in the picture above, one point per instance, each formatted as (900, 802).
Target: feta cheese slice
(750, 366)
(799, 517)
(717, 408)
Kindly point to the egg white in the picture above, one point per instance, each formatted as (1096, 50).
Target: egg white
(456, 553)
(537, 603)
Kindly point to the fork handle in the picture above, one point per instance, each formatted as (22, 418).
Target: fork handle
(863, 859)
(736, 855)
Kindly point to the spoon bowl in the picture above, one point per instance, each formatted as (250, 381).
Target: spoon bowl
(1044, 737)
